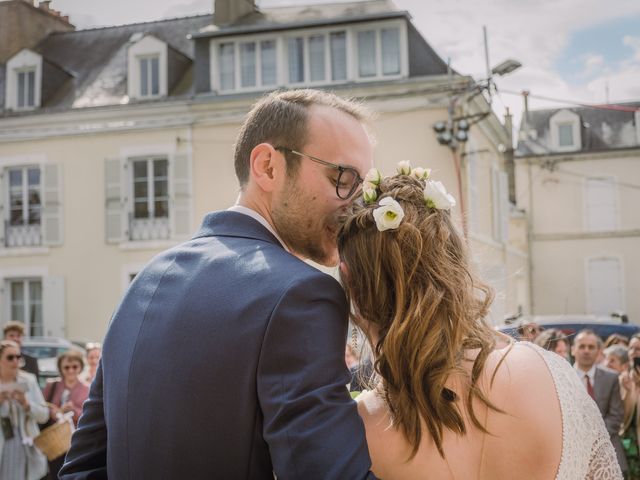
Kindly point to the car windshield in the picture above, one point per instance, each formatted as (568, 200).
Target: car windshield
(43, 351)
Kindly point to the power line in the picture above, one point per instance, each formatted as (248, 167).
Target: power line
(618, 108)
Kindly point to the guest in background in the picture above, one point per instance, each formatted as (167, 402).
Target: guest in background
(528, 331)
(630, 391)
(66, 395)
(602, 385)
(94, 352)
(14, 331)
(616, 339)
(21, 408)
(555, 341)
(616, 358)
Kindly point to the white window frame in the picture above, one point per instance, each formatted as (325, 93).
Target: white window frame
(23, 61)
(28, 229)
(214, 77)
(26, 302)
(142, 47)
(149, 85)
(565, 117)
(616, 199)
(26, 105)
(306, 35)
(378, 27)
(620, 260)
(159, 224)
(282, 57)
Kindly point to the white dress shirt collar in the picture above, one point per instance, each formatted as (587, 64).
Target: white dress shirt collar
(591, 373)
(256, 216)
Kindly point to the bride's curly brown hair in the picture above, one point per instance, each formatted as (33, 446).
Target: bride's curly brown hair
(415, 284)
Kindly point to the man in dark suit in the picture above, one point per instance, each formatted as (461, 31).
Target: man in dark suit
(602, 385)
(172, 398)
(14, 331)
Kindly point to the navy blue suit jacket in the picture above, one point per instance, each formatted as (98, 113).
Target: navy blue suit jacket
(224, 360)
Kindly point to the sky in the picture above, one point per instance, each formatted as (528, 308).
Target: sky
(585, 51)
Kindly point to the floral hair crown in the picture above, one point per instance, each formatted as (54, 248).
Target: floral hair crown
(389, 213)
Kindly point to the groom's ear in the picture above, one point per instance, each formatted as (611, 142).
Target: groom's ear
(266, 166)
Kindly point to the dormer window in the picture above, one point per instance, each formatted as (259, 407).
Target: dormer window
(310, 57)
(379, 52)
(565, 135)
(26, 88)
(24, 81)
(148, 75)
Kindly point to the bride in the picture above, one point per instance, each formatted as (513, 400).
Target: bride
(453, 400)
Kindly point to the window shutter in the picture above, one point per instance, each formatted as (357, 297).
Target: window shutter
(51, 204)
(3, 214)
(53, 302)
(605, 292)
(180, 196)
(601, 204)
(115, 201)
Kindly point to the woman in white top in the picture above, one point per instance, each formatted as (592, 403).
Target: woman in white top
(21, 409)
(453, 401)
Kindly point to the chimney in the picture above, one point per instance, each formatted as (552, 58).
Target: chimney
(226, 12)
(23, 25)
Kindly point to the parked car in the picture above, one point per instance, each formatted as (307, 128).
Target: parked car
(572, 324)
(46, 350)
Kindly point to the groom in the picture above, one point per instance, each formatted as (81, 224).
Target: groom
(172, 398)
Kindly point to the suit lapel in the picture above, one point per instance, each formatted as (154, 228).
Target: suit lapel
(600, 389)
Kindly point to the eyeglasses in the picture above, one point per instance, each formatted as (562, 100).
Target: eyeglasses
(348, 179)
(71, 367)
(11, 358)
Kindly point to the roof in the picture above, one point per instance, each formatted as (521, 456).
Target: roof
(284, 18)
(607, 128)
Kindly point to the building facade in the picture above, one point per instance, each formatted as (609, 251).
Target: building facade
(116, 141)
(578, 179)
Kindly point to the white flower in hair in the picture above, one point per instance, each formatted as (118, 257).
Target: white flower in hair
(404, 168)
(388, 215)
(436, 196)
(373, 176)
(369, 193)
(421, 173)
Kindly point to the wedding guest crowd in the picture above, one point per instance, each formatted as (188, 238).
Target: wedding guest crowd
(610, 371)
(25, 410)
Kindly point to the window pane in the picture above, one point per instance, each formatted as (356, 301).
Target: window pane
(15, 200)
(338, 56)
(268, 58)
(390, 51)
(160, 168)
(140, 190)
(161, 188)
(34, 207)
(316, 58)
(140, 169)
(15, 178)
(565, 135)
(155, 76)
(248, 64)
(141, 209)
(161, 209)
(35, 308)
(31, 88)
(21, 88)
(35, 291)
(144, 80)
(34, 176)
(227, 66)
(296, 60)
(367, 53)
(17, 292)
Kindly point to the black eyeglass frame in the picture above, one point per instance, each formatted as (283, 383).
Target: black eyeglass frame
(341, 169)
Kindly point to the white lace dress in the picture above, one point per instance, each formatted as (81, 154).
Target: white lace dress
(587, 452)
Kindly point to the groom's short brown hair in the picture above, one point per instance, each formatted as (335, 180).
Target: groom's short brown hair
(280, 118)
